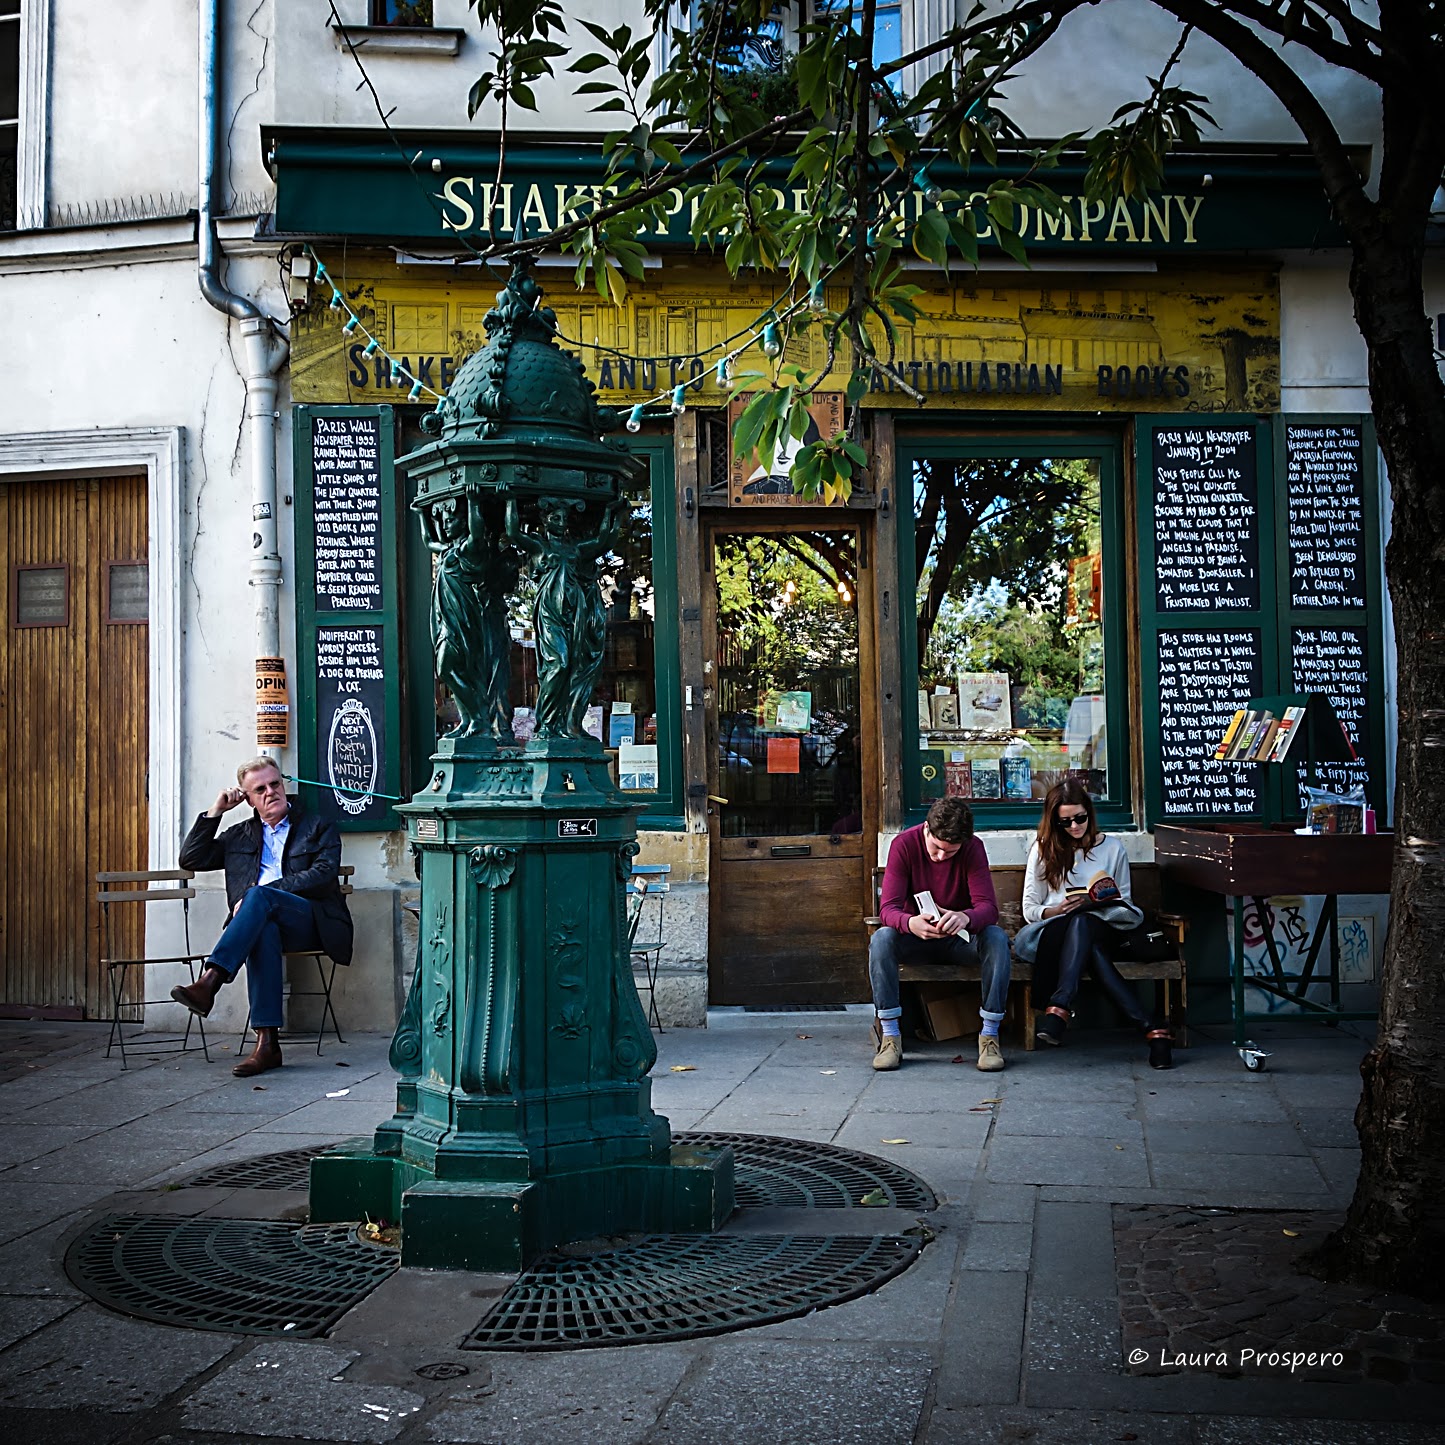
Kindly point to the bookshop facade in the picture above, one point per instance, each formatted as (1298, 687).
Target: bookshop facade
(1095, 539)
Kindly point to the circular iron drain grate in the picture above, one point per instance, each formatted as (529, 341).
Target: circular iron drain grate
(290, 1169)
(769, 1172)
(245, 1276)
(799, 1173)
(678, 1287)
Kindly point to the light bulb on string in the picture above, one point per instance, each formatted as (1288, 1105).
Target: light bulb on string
(336, 300)
(351, 324)
(932, 191)
(396, 371)
(772, 342)
(372, 347)
(679, 404)
(415, 393)
(816, 300)
(725, 372)
(634, 418)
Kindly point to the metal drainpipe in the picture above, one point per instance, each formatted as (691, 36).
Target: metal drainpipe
(265, 351)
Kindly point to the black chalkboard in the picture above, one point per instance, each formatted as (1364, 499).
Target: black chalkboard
(346, 508)
(351, 722)
(1205, 492)
(1325, 468)
(1335, 661)
(1205, 674)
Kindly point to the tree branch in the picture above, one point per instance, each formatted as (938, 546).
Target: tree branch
(1344, 185)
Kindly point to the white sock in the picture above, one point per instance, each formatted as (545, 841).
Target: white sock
(890, 1028)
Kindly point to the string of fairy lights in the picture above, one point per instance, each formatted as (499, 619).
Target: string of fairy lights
(766, 332)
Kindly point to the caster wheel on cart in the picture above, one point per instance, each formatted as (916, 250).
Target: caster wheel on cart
(1253, 1058)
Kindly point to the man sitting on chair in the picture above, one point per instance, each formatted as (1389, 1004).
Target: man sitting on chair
(281, 882)
(942, 860)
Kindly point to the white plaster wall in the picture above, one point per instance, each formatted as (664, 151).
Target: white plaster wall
(318, 77)
(1101, 59)
(123, 101)
(1322, 355)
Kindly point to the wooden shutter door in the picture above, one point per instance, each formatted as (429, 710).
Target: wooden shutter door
(73, 733)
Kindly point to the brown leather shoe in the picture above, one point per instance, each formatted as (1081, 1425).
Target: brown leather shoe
(200, 996)
(267, 1056)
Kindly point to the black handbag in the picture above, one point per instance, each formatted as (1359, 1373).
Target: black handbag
(1145, 943)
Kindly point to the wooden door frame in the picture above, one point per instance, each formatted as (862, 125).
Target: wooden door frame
(775, 522)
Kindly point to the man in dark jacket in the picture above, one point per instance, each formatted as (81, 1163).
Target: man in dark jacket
(281, 882)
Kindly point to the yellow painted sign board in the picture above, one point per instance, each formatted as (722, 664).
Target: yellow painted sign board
(1179, 339)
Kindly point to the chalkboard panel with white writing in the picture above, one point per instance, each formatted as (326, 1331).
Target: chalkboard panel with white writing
(1205, 674)
(346, 470)
(351, 721)
(1333, 660)
(1206, 519)
(1325, 471)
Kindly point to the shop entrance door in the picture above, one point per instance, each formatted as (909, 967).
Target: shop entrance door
(792, 735)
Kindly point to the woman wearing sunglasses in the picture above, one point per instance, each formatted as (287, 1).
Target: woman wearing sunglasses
(1077, 906)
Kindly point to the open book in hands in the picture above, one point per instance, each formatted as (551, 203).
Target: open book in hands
(1099, 894)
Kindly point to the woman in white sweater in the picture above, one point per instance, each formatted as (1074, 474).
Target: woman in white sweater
(1077, 906)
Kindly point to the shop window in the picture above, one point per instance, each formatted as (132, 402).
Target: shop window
(401, 12)
(9, 113)
(788, 683)
(635, 712)
(1013, 661)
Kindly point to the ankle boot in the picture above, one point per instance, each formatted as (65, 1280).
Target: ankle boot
(200, 996)
(267, 1055)
(1161, 1048)
(1052, 1023)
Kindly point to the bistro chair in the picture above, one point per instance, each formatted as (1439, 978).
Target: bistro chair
(325, 974)
(116, 893)
(649, 880)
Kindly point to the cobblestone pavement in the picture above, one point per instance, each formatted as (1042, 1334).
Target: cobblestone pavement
(1224, 1291)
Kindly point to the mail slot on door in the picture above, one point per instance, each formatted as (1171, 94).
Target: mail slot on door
(792, 850)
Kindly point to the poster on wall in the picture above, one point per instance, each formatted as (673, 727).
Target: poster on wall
(351, 722)
(755, 482)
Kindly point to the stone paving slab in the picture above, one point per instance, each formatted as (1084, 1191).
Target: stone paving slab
(301, 1389)
(1019, 1159)
(804, 1394)
(91, 1360)
(580, 1397)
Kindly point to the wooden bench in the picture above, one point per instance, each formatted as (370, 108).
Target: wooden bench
(1170, 979)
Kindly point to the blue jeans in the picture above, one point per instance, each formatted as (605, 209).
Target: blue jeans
(988, 948)
(269, 923)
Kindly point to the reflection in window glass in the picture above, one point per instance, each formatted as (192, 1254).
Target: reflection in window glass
(401, 12)
(887, 26)
(1011, 679)
(623, 715)
(128, 592)
(787, 670)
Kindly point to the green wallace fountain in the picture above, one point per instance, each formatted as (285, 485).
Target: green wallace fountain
(523, 1112)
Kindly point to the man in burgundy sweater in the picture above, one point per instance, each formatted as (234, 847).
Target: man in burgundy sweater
(940, 856)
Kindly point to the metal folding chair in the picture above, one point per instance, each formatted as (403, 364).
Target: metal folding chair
(649, 880)
(325, 972)
(115, 891)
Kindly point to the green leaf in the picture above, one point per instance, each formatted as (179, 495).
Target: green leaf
(586, 64)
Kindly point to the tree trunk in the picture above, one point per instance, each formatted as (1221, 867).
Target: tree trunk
(1394, 1235)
